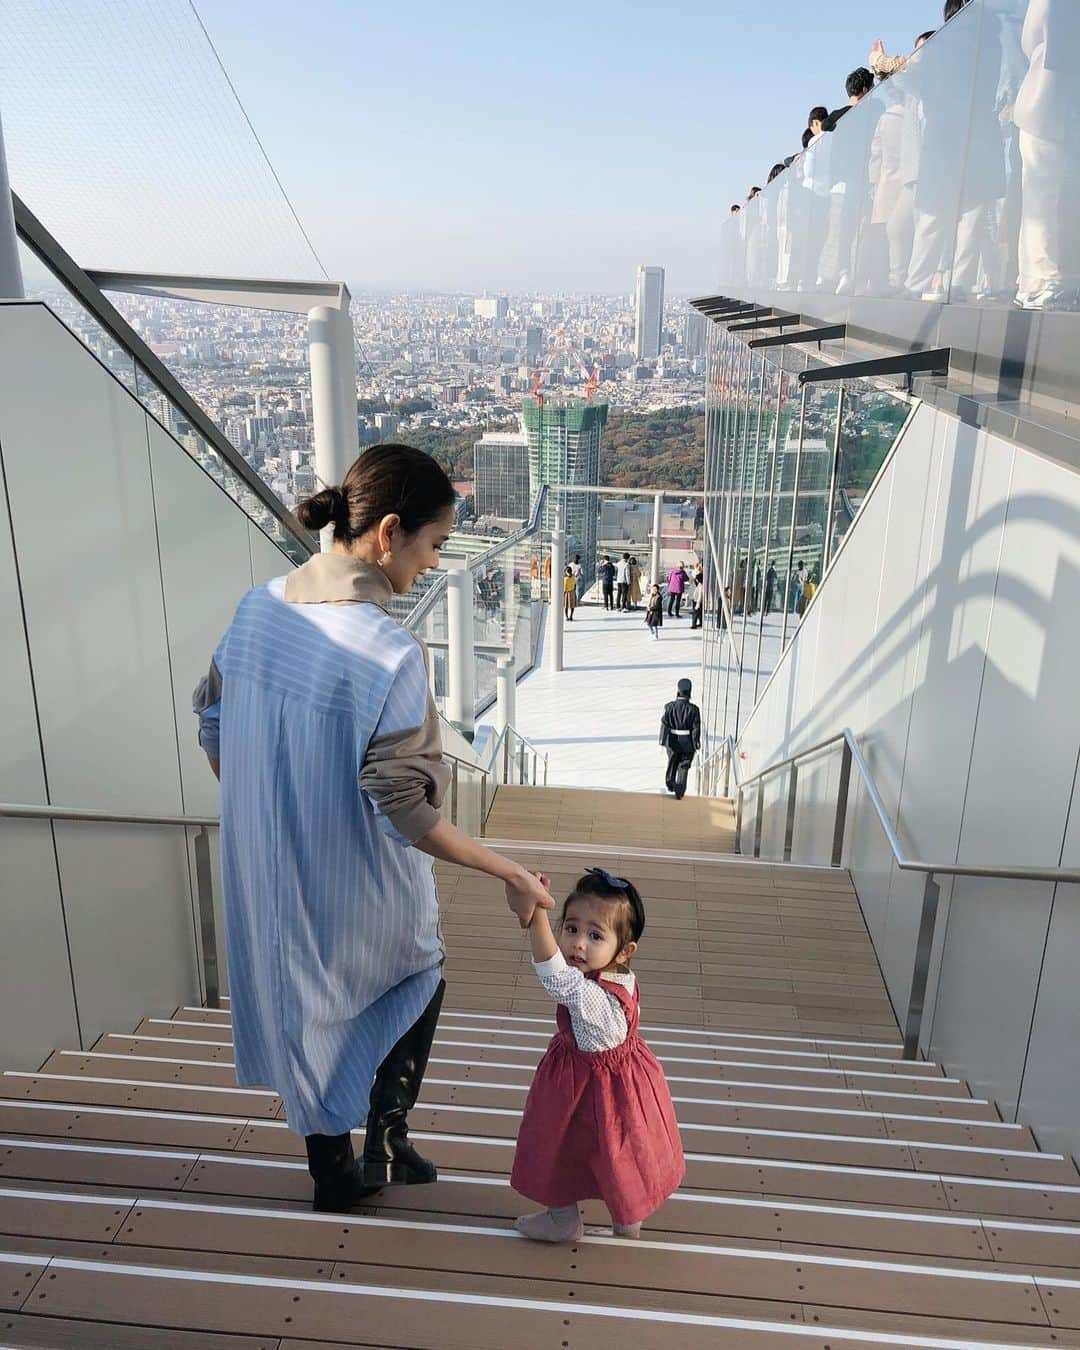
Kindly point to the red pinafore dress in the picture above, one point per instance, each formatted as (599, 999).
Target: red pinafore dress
(600, 1125)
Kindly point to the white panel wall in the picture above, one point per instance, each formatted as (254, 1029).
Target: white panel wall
(78, 474)
(945, 637)
(205, 569)
(130, 564)
(38, 1001)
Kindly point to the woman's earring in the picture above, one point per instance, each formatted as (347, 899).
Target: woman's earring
(384, 558)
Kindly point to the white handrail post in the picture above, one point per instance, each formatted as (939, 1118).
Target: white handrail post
(657, 529)
(505, 693)
(460, 699)
(554, 661)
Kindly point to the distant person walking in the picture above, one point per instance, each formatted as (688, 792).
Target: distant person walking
(676, 584)
(635, 584)
(654, 611)
(576, 572)
(798, 580)
(680, 735)
(606, 573)
(569, 594)
(770, 588)
(698, 597)
(622, 581)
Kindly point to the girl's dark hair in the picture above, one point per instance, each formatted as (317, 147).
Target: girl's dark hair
(387, 480)
(807, 137)
(818, 114)
(925, 37)
(776, 171)
(630, 922)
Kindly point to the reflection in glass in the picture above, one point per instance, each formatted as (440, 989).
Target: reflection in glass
(808, 535)
(872, 419)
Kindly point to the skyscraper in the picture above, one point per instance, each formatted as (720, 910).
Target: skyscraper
(534, 342)
(694, 336)
(564, 447)
(491, 307)
(648, 311)
(501, 475)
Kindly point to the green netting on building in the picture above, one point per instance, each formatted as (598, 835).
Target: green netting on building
(564, 447)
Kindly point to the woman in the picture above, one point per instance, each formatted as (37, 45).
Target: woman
(635, 584)
(317, 718)
(569, 594)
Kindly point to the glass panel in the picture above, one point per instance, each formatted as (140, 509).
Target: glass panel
(774, 556)
(814, 474)
(40, 284)
(872, 419)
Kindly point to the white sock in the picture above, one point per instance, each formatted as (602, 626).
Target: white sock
(552, 1225)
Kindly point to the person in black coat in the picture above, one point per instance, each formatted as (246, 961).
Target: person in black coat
(680, 735)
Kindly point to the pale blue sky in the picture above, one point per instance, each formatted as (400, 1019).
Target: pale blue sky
(553, 145)
(439, 145)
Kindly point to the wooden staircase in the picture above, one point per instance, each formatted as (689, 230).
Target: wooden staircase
(835, 1195)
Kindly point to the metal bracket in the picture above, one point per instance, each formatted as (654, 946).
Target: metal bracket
(756, 314)
(933, 362)
(779, 321)
(833, 333)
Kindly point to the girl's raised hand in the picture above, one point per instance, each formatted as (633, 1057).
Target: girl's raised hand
(525, 893)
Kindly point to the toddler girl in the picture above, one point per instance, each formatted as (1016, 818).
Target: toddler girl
(654, 611)
(599, 1123)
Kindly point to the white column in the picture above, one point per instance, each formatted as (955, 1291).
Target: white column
(460, 699)
(657, 528)
(554, 662)
(346, 372)
(335, 448)
(505, 693)
(11, 281)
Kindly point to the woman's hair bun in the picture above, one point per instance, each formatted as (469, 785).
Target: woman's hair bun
(325, 508)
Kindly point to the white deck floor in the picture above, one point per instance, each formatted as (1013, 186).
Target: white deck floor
(599, 720)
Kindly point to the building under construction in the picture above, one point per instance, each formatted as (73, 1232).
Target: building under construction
(564, 447)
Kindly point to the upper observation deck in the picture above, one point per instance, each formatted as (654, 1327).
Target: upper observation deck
(937, 215)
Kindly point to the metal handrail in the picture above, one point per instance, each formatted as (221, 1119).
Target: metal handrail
(726, 753)
(431, 596)
(78, 283)
(204, 876)
(852, 755)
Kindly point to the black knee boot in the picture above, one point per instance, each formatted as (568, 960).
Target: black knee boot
(339, 1182)
(389, 1158)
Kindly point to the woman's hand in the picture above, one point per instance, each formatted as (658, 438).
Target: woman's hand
(526, 892)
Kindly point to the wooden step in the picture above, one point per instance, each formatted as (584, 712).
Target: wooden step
(617, 1272)
(433, 1318)
(464, 1079)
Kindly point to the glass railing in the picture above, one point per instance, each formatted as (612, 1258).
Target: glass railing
(192, 430)
(788, 467)
(951, 181)
(509, 585)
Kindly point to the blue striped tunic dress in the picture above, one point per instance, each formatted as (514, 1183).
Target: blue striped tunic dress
(318, 707)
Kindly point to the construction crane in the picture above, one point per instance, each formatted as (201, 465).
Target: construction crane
(562, 343)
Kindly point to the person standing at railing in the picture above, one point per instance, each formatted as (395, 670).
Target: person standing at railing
(633, 598)
(606, 573)
(576, 572)
(676, 585)
(317, 717)
(622, 581)
(569, 594)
